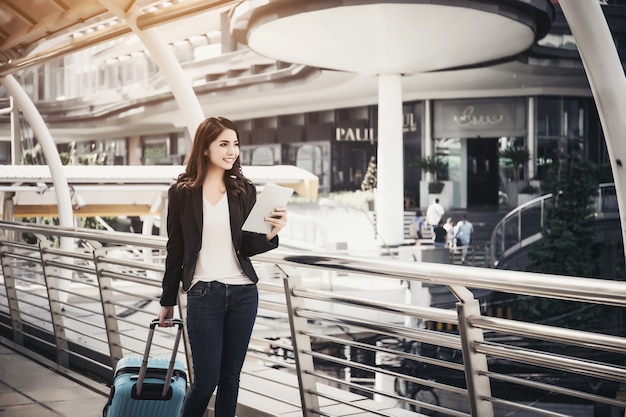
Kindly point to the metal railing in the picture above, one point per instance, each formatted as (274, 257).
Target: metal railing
(335, 335)
(520, 227)
(523, 225)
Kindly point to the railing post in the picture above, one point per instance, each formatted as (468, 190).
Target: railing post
(478, 385)
(301, 343)
(14, 307)
(51, 275)
(519, 227)
(105, 285)
(500, 244)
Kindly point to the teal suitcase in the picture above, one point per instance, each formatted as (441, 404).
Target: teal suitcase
(148, 387)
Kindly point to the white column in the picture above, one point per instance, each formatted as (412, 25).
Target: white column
(427, 149)
(59, 179)
(532, 137)
(61, 189)
(608, 84)
(383, 383)
(179, 82)
(390, 190)
(463, 170)
(16, 135)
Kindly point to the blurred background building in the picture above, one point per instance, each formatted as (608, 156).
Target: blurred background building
(107, 100)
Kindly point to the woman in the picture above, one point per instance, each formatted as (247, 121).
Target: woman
(209, 253)
(464, 230)
(440, 235)
(450, 238)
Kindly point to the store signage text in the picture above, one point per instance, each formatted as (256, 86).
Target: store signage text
(354, 135)
(469, 119)
(367, 135)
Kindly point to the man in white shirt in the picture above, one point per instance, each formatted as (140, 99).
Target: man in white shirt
(434, 213)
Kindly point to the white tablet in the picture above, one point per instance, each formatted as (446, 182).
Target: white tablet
(271, 197)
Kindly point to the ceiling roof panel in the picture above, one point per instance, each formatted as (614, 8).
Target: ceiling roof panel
(26, 24)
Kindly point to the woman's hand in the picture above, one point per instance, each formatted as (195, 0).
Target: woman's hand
(166, 312)
(278, 220)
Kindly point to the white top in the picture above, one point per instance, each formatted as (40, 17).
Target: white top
(217, 260)
(434, 213)
(450, 229)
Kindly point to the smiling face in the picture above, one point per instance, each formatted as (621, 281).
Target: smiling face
(224, 150)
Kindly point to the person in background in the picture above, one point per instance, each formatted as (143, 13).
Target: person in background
(434, 213)
(450, 238)
(210, 255)
(464, 230)
(417, 225)
(440, 235)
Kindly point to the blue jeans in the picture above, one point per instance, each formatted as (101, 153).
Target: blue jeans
(463, 244)
(219, 322)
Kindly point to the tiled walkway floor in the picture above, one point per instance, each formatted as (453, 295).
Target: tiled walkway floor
(29, 389)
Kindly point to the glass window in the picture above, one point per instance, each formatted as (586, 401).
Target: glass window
(547, 153)
(155, 151)
(5, 153)
(350, 161)
(116, 152)
(262, 156)
(245, 155)
(506, 169)
(571, 116)
(266, 155)
(41, 84)
(448, 153)
(549, 117)
(309, 157)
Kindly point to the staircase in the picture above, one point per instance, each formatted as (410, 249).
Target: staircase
(483, 220)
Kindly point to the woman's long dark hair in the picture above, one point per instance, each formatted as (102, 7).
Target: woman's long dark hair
(197, 162)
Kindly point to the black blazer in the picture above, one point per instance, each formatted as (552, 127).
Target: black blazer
(184, 229)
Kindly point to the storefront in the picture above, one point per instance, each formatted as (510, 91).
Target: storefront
(468, 136)
(335, 145)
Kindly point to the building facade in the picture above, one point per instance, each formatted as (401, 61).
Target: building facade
(93, 100)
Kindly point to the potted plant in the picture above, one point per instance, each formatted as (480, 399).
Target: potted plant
(433, 166)
(516, 158)
(433, 187)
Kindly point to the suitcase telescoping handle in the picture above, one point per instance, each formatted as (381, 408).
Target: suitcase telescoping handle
(170, 368)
